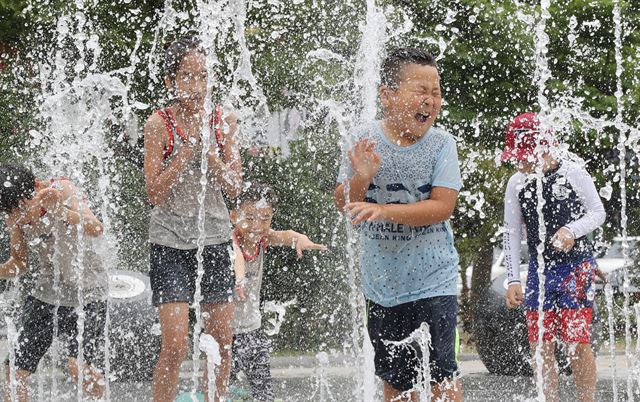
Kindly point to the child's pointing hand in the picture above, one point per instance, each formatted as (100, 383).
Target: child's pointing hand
(303, 243)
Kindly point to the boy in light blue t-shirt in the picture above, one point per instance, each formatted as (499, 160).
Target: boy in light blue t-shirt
(400, 187)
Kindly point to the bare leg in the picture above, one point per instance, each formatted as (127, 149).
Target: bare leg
(393, 395)
(447, 391)
(174, 326)
(22, 392)
(217, 323)
(93, 381)
(583, 365)
(549, 370)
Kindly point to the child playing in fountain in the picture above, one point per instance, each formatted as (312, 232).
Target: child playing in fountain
(251, 236)
(571, 209)
(172, 154)
(52, 218)
(400, 185)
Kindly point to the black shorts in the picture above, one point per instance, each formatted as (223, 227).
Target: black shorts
(174, 272)
(399, 365)
(36, 332)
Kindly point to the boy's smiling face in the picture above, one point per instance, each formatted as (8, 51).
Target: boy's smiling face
(413, 106)
(253, 220)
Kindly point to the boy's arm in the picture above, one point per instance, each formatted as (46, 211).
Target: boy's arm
(438, 208)
(240, 270)
(292, 239)
(16, 265)
(358, 186)
(511, 243)
(595, 214)
(512, 231)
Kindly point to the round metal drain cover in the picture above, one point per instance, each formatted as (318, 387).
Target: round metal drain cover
(125, 286)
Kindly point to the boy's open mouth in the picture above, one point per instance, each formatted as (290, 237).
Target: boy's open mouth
(423, 117)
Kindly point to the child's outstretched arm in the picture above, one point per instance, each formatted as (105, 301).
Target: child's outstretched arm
(16, 265)
(365, 162)
(158, 178)
(438, 208)
(292, 239)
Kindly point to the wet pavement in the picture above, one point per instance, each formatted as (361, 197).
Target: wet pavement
(302, 379)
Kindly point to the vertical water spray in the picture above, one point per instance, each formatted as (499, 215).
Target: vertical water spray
(209, 15)
(636, 370)
(365, 78)
(623, 191)
(608, 294)
(541, 75)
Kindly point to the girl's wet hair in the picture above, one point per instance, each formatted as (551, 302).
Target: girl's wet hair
(17, 183)
(398, 58)
(176, 51)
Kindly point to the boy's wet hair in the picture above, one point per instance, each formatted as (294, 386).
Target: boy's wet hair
(16, 183)
(398, 58)
(176, 51)
(256, 192)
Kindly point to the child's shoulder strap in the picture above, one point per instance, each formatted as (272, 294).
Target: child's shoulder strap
(214, 122)
(162, 113)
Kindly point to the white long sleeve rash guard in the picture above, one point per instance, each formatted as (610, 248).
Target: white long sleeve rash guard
(570, 200)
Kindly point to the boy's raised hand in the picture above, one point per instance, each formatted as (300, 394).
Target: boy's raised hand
(303, 243)
(514, 295)
(365, 161)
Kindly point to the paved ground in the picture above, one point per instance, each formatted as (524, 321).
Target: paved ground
(301, 379)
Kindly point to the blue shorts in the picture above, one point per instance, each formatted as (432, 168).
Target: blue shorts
(567, 287)
(173, 274)
(399, 365)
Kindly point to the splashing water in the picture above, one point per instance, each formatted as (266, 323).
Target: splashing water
(421, 338)
(212, 350)
(280, 309)
(623, 193)
(608, 294)
(323, 389)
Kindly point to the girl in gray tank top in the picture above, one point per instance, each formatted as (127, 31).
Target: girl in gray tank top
(173, 150)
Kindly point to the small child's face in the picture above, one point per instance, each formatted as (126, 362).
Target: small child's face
(253, 220)
(415, 104)
(190, 83)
